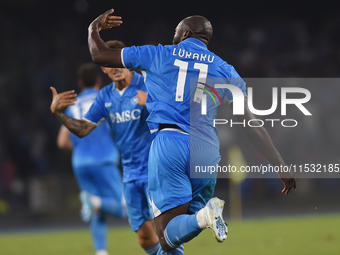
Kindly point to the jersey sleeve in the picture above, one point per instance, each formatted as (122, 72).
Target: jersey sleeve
(96, 113)
(236, 80)
(138, 57)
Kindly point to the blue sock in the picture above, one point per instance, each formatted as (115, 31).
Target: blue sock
(113, 207)
(99, 231)
(178, 251)
(153, 250)
(181, 229)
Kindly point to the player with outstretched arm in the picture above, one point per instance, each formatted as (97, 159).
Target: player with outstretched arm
(182, 206)
(118, 103)
(95, 162)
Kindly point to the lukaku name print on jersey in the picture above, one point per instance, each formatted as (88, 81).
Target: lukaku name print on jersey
(197, 56)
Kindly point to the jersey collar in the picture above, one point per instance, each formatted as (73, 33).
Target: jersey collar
(128, 92)
(135, 79)
(196, 42)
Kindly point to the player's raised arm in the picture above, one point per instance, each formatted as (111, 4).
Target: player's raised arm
(60, 101)
(101, 54)
(260, 139)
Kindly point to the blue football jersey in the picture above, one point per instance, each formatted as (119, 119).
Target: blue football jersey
(97, 147)
(177, 77)
(127, 120)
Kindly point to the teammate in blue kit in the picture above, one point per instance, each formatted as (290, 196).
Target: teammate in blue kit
(176, 76)
(117, 103)
(95, 161)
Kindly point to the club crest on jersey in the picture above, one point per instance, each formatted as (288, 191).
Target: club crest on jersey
(134, 100)
(125, 116)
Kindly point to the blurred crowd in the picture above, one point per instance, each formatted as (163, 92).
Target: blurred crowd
(35, 56)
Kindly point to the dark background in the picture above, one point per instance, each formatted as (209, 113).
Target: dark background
(43, 42)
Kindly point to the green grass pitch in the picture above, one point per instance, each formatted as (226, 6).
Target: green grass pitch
(289, 235)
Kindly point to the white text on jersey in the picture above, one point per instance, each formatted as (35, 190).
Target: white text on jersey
(188, 54)
(125, 116)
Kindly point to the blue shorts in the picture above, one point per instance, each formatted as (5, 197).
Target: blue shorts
(137, 206)
(100, 180)
(170, 185)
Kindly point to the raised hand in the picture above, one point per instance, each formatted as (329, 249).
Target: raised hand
(141, 97)
(62, 100)
(107, 21)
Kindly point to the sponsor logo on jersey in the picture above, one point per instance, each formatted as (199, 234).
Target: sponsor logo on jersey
(125, 116)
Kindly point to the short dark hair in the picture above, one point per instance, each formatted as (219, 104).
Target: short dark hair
(88, 74)
(115, 44)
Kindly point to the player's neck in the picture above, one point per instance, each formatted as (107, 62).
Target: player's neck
(120, 85)
(97, 86)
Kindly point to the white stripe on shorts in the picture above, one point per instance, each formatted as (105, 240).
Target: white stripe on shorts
(176, 130)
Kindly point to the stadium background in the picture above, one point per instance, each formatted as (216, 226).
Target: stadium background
(43, 42)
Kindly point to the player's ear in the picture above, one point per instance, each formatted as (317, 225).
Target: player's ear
(186, 35)
(99, 82)
(103, 69)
